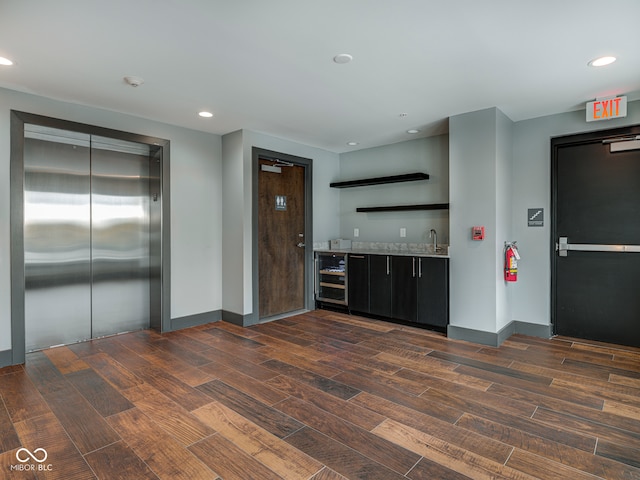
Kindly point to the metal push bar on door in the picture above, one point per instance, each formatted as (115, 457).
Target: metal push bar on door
(563, 246)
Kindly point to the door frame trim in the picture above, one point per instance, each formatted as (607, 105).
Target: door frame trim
(161, 147)
(257, 154)
(566, 141)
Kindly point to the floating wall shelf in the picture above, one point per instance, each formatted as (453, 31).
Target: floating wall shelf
(409, 177)
(402, 208)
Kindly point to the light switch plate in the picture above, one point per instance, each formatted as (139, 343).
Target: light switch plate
(356, 232)
(403, 232)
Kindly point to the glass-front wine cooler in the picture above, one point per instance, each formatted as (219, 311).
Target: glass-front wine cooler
(331, 278)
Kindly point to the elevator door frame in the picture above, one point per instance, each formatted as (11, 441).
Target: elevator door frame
(160, 307)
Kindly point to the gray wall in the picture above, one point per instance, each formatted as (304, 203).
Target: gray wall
(237, 255)
(531, 181)
(234, 225)
(495, 189)
(497, 169)
(211, 206)
(210, 186)
(325, 169)
(196, 202)
(428, 155)
(211, 192)
(504, 192)
(478, 162)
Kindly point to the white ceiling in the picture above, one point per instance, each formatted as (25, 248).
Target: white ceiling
(267, 65)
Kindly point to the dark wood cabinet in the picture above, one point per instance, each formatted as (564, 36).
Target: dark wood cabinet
(433, 291)
(380, 285)
(358, 287)
(404, 288)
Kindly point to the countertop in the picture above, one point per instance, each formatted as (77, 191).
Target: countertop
(403, 249)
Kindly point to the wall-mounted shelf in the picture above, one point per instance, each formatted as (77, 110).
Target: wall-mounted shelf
(408, 177)
(402, 208)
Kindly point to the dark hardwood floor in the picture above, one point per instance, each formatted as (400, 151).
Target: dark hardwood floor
(321, 396)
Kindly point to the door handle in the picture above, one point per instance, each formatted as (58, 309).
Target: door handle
(316, 290)
(563, 246)
(300, 245)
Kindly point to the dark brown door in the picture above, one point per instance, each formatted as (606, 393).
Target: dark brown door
(597, 236)
(281, 242)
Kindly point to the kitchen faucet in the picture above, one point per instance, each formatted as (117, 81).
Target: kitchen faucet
(433, 234)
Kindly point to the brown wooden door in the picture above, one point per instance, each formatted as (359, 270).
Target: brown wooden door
(281, 227)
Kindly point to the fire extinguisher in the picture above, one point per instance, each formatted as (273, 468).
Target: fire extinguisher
(511, 258)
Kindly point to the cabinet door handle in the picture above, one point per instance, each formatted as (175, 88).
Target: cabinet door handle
(387, 264)
(413, 266)
(356, 256)
(420, 267)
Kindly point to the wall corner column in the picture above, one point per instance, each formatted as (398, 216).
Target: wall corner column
(479, 192)
(236, 230)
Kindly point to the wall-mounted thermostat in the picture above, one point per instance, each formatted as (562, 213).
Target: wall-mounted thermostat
(477, 233)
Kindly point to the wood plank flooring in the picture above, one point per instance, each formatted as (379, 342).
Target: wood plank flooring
(321, 396)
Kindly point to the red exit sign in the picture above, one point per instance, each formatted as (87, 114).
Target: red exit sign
(606, 109)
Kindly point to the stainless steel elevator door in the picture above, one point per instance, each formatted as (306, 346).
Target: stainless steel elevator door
(57, 238)
(119, 236)
(86, 236)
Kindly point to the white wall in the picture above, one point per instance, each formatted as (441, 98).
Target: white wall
(196, 202)
(428, 155)
(531, 296)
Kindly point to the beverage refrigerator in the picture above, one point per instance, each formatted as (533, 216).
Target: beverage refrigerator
(331, 278)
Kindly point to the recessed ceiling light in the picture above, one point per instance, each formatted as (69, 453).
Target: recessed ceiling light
(413, 130)
(342, 58)
(353, 144)
(205, 114)
(5, 61)
(602, 61)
